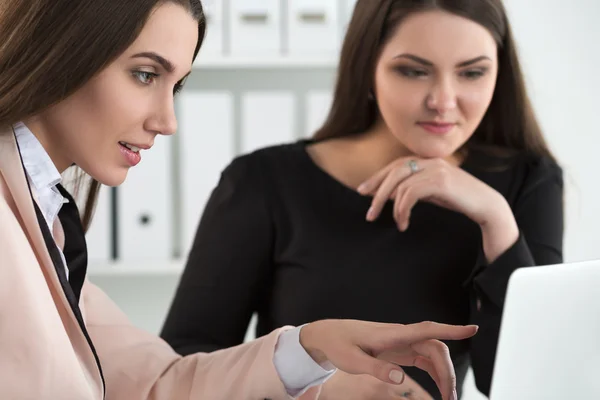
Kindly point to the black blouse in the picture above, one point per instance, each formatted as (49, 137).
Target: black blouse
(281, 237)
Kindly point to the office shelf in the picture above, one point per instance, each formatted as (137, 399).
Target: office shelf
(137, 268)
(258, 62)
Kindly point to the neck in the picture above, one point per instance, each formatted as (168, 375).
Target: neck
(382, 147)
(379, 147)
(37, 127)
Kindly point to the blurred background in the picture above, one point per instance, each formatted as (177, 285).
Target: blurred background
(265, 76)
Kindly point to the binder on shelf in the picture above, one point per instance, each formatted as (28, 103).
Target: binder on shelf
(144, 207)
(268, 118)
(318, 104)
(215, 29)
(206, 145)
(348, 9)
(313, 27)
(255, 27)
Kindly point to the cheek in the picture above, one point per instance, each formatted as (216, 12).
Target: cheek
(401, 104)
(110, 107)
(400, 100)
(476, 101)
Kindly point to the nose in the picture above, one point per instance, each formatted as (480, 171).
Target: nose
(163, 120)
(442, 97)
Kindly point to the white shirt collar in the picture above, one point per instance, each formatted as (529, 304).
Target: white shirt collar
(39, 167)
(42, 173)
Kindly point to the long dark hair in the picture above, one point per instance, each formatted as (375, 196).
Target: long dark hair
(509, 122)
(51, 48)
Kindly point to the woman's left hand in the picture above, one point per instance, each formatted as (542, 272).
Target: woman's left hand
(408, 180)
(379, 349)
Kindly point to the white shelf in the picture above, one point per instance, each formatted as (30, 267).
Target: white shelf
(139, 268)
(259, 62)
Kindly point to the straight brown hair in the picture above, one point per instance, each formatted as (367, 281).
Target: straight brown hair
(51, 48)
(509, 122)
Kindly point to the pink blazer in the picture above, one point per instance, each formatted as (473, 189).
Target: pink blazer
(44, 353)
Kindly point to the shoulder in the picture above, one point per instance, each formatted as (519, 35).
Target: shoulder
(523, 163)
(541, 165)
(266, 161)
(541, 172)
(515, 173)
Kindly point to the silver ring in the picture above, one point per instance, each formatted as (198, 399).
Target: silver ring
(414, 167)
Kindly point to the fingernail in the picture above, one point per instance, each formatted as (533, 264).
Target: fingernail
(454, 395)
(396, 376)
(362, 188)
(370, 214)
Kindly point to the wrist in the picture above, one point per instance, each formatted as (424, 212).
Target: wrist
(499, 234)
(308, 339)
(499, 217)
(495, 210)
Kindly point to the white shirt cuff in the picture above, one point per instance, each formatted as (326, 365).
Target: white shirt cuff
(296, 368)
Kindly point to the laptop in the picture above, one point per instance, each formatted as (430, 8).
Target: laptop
(549, 345)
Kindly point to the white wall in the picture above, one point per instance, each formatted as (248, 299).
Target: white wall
(558, 42)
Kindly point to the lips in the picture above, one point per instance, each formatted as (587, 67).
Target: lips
(437, 127)
(130, 153)
(131, 147)
(135, 146)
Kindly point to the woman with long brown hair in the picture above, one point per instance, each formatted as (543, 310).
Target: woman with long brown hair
(427, 186)
(91, 84)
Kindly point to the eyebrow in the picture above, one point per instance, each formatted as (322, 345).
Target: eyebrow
(166, 64)
(428, 63)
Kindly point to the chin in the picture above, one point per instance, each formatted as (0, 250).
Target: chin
(433, 152)
(111, 177)
(433, 149)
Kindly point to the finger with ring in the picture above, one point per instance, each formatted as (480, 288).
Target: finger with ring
(414, 167)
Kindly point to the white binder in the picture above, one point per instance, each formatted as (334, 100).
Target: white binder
(255, 27)
(144, 212)
(348, 9)
(215, 29)
(318, 104)
(268, 118)
(313, 27)
(206, 147)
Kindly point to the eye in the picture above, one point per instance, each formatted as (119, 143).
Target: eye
(473, 74)
(410, 72)
(145, 77)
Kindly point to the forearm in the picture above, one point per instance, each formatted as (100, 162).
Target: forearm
(499, 231)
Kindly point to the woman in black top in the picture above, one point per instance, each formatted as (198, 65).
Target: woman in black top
(428, 185)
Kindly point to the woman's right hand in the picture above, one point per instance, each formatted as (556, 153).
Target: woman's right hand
(377, 349)
(343, 386)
